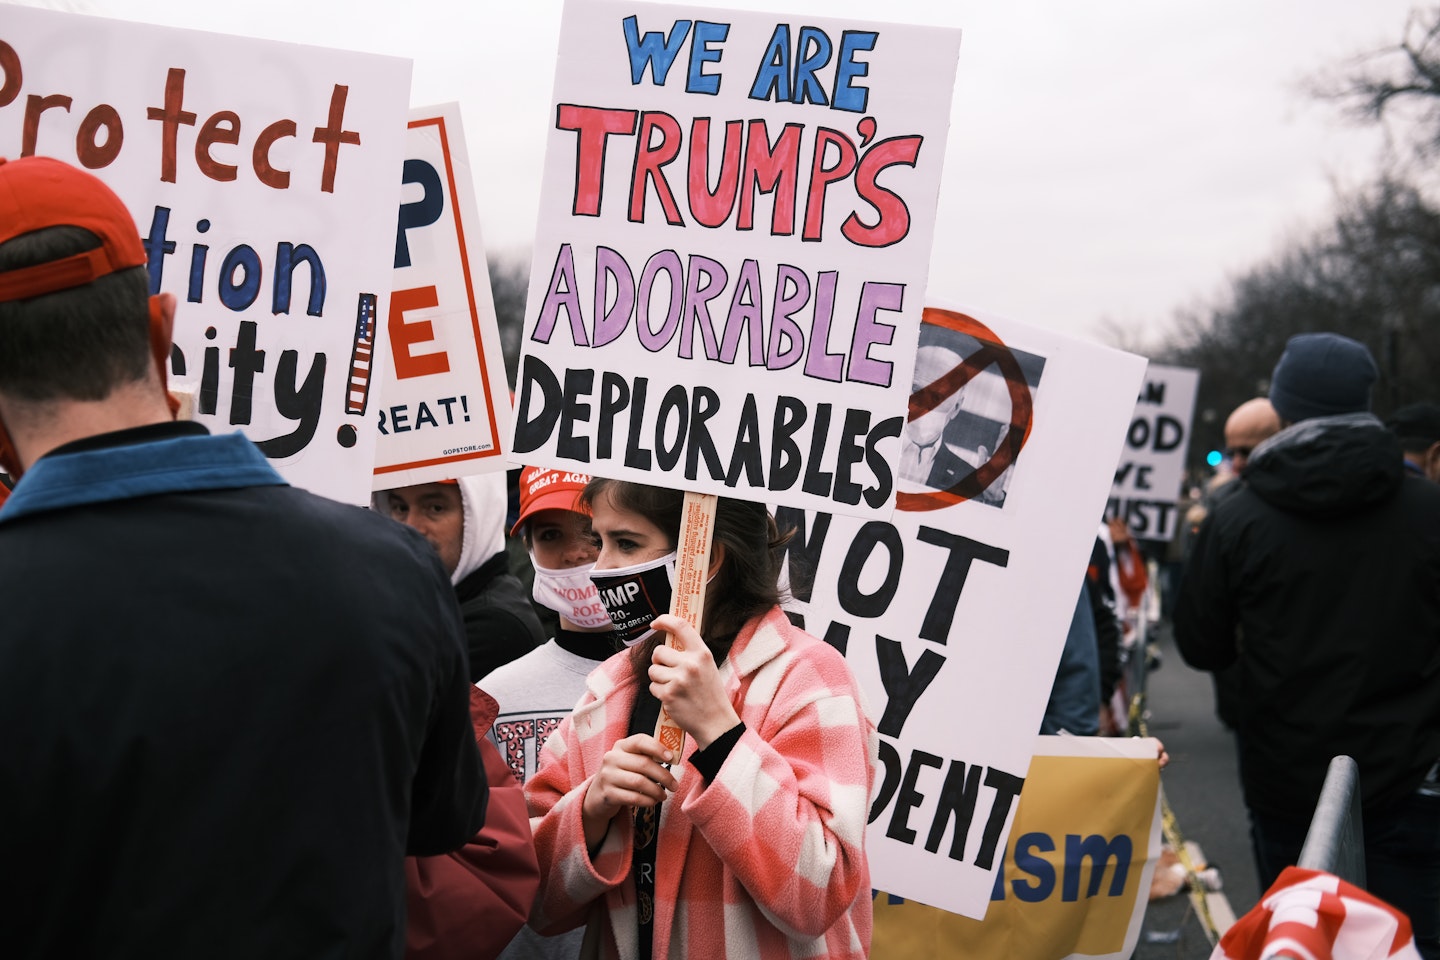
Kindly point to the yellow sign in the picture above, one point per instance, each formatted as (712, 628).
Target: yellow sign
(1077, 869)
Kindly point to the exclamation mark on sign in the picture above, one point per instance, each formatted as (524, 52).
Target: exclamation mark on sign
(465, 407)
(357, 392)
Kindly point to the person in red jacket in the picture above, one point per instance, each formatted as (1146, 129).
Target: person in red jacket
(470, 903)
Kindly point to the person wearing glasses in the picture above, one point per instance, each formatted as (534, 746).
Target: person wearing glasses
(1248, 426)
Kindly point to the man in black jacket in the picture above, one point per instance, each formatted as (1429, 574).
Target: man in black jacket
(231, 707)
(1320, 574)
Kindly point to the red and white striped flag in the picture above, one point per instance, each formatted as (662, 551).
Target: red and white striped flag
(1312, 915)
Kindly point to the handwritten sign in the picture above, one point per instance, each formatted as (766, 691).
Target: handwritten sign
(1151, 471)
(953, 614)
(732, 251)
(256, 172)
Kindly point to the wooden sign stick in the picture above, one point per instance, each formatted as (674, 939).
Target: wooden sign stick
(687, 599)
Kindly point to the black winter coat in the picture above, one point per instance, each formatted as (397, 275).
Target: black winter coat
(230, 707)
(500, 622)
(1321, 574)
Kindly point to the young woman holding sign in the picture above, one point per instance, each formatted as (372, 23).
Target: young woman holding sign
(752, 843)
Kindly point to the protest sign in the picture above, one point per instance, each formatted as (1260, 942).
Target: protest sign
(734, 237)
(257, 173)
(444, 408)
(1148, 480)
(953, 614)
(1076, 874)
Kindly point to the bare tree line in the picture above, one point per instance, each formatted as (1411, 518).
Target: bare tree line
(1372, 273)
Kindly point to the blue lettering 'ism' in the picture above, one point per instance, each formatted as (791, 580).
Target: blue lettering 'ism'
(1099, 851)
(655, 49)
(1028, 860)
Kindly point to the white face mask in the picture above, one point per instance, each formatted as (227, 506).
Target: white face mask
(571, 594)
(636, 595)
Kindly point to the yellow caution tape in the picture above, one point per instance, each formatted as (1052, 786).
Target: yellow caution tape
(1171, 828)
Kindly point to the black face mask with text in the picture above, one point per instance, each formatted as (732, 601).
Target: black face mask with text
(635, 595)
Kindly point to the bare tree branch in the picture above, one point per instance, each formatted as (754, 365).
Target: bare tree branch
(509, 287)
(1373, 86)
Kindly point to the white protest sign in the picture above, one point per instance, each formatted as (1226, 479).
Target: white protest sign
(256, 172)
(1152, 469)
(953, 615)
(735, 230)
(444, 408)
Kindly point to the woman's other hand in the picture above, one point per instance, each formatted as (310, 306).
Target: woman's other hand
(631, 775)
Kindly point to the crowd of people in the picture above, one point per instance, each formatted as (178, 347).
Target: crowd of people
(1313, 590)
(260, 723)
(247, 721)
(1309, 587)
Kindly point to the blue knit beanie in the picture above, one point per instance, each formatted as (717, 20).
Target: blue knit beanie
(1321, 375)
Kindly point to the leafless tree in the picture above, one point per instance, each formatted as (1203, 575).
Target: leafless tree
(509, 284)
(1132, 336)
(1399, 82)
(1372, 274)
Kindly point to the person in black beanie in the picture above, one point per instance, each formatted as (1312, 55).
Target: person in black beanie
(1320, 578)
(1322, 375)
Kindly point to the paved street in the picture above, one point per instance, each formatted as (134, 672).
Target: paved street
(1203, 788)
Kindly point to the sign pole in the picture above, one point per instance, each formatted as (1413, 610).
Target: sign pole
(687, 599)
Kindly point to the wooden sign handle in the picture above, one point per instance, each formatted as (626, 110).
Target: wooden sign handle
(687, 599)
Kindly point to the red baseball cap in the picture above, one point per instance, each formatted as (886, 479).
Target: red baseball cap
(40, 192)
(546, 489)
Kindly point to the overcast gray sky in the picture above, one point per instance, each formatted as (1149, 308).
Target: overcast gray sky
(1107, 160)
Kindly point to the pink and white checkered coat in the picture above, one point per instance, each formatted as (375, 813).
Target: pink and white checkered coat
(768, 861)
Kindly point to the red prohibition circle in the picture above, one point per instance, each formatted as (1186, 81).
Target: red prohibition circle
(992, 351)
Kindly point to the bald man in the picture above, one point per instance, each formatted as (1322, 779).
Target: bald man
(1247, 426)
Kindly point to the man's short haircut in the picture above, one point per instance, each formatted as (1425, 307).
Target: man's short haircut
(75, 344)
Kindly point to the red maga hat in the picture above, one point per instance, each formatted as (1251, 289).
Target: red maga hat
(542, 488)
(39, 192)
